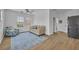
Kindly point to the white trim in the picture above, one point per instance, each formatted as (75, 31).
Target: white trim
(2, 35)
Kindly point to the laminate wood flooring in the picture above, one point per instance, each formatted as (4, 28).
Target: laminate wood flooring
(59, 41)
(6, 43)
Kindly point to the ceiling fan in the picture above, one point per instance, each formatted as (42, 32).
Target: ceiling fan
(28, 11)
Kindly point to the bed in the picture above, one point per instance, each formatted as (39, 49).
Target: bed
(26, 40)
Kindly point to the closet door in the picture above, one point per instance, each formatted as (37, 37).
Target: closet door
(72, 31)
(73, 27)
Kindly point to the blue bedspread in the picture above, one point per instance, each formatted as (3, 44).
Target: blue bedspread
(25, 40)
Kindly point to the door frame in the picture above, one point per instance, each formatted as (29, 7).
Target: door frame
(54, 25)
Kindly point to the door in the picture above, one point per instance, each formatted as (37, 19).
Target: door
(73, 26)
(54, 25)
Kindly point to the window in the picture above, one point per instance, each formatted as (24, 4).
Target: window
(20, 21)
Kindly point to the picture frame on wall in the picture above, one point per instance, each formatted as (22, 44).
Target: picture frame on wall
(60, 21)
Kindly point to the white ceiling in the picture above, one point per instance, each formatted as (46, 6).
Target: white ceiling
(20, 10)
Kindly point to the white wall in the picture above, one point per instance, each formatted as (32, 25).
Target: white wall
(59, 14)
(63, 14)
(1, 30)
(41, 17)
(51, 25)
(1, 24)
(11, 18)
